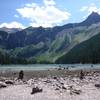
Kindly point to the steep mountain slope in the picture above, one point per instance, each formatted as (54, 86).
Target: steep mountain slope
(33, 35)
(91, 19)
(85, 52)
(48, 44)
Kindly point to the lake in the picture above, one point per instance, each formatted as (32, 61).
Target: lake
(46, 66)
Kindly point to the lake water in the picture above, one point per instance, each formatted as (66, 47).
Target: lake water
(46, 66)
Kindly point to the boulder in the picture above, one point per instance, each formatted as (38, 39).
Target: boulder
(9, 82)
(57, 89)
(47, 81)
(55, 77)
(97, 85)
(36, 90)
(3, 85)
(76, 91)
(63, 87)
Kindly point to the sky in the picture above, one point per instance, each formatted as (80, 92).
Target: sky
(45, 13)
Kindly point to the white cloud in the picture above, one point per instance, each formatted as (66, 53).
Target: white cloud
(91, 8)
(16, 16)
(31, 5)
(84, 8)
(49, 2)
(47, 15)
(12, 25)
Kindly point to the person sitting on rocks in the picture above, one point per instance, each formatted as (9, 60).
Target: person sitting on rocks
(21, 75)
(81, 74)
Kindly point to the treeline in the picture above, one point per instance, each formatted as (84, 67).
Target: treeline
(5, 58)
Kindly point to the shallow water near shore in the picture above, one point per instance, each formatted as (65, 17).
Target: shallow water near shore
(33, 67)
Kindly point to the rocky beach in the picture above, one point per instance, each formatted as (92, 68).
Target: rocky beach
(54, 84)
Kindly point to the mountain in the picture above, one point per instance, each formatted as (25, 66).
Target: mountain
(46, 45)
(10, 30)
(85, 52)
(93, 18)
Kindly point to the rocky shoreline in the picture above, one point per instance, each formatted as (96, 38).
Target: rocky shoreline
(69, 87)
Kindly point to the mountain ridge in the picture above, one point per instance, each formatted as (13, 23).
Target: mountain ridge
(48, 44)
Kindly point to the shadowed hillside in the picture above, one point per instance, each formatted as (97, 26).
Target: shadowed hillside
(46, 45)
(86, 52)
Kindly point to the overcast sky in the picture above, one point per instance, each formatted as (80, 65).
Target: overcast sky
(46, 13)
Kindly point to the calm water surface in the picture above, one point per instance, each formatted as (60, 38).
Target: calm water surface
(47, 66)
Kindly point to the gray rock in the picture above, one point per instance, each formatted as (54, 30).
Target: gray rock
(47, 81)
(63, 87)
(36, 90)
(76, 91)
(57, 89)
(97, 85)
(55, 77)
(9, 82)
(3, 85)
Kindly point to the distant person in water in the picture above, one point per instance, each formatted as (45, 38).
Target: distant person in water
(60, 67)
(92, 65)
(21, 75)
(67, 68)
